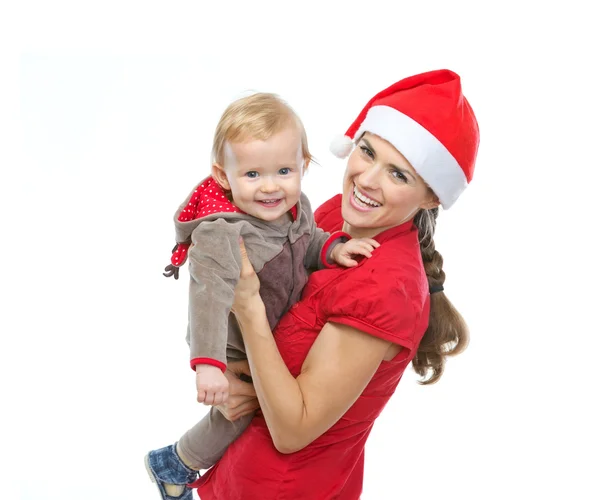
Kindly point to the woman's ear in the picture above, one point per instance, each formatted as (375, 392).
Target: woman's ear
(432, 201)
(218, 173)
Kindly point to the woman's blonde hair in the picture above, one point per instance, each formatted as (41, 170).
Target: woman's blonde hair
(256, 117)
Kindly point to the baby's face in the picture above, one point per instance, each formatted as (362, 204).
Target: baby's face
(264, 177)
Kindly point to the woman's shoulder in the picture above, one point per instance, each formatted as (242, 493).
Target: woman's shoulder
(392, 280)
(397, 259)
(384, 297)
(386, 277)
(329, 215)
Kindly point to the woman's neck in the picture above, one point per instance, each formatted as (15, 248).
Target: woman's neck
(368, 232)
(358, 232)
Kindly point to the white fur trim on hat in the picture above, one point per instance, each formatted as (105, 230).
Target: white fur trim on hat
(428, 156)
(341, 146)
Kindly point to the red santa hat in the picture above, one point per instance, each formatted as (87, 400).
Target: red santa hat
(428, 119)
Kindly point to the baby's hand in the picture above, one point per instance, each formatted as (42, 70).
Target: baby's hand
(212, 385)
(342, 252)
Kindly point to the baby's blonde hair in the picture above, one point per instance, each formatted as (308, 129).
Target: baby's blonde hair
(256, 117)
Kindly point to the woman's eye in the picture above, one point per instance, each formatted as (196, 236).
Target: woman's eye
(399, 175)
(252, 174)
(367, 151)
(284, 171)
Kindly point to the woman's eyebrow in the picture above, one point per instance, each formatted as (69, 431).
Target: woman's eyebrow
(400, 169)
(368, 144)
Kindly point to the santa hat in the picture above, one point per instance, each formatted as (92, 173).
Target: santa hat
(428, 119)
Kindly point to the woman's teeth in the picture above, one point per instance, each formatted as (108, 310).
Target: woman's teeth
(363, 200)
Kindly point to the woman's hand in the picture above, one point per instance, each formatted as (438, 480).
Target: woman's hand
(242, 396)
(246, 295)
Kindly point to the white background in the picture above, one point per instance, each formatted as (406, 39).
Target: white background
(108, 111)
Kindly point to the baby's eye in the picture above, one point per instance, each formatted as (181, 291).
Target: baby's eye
(284, 171)
(253, 174)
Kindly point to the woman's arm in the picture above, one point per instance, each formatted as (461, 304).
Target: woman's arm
(338, 367)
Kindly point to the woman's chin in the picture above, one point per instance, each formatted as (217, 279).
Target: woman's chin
(354, 218)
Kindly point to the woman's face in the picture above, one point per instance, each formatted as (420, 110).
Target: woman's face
(381, 189)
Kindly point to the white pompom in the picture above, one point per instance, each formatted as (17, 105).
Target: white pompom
(341, 146)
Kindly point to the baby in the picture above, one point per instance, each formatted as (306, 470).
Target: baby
(260, 153)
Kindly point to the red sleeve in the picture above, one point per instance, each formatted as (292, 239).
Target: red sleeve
(373, 300)
(338, 237)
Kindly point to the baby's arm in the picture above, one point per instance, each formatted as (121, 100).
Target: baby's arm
(211, 384)
(214, 271)
(342, 252)
(326, 250)
(318, 253)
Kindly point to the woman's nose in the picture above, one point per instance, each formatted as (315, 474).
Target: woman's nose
(370, 176)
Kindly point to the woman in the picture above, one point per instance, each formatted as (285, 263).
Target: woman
(335, 359)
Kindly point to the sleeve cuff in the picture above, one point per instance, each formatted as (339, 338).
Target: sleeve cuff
(207, 361)
(334, 239)
(408, 346)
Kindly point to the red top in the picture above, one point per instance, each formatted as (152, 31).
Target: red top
(386, 296)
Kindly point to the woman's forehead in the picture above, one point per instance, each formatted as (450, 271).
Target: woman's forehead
(387, 151)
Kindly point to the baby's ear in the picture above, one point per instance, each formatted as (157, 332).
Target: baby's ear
(305, 166)
(219, 175)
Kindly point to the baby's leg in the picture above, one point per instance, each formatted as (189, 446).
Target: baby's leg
(205, 443)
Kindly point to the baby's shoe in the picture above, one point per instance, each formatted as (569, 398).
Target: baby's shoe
(170, 474)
